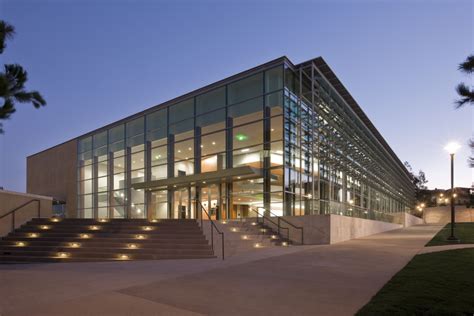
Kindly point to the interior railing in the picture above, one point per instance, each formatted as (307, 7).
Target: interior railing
(213, 226)
(279, 221)
(13, 211)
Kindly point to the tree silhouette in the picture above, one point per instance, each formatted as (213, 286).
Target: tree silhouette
(12, 81)
(466, 93)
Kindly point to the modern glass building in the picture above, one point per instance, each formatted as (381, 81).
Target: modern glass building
(287, 138)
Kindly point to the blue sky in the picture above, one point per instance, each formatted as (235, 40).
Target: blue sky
(98, 61)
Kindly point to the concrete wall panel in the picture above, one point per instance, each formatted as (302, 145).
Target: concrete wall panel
(10, 200)
(53, 173)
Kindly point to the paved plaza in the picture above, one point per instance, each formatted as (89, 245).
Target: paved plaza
(300, 280)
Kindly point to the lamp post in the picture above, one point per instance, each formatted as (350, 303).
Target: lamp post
(452, 148)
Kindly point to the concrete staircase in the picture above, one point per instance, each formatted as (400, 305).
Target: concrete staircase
(245, 235)
(68, 240)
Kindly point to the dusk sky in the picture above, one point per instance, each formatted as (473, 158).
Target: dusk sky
(99, 61)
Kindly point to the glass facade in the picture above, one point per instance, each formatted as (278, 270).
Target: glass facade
(275, 138)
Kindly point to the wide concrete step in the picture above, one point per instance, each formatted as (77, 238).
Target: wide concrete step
(200, 244)
(111, 220)
(33, 259)
(97, 252)
(126, 230)
(98, 233)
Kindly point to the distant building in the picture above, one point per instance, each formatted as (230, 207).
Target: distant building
(439, 197)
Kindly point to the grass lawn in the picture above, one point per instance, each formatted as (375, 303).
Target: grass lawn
(439, 283)
(463, 231)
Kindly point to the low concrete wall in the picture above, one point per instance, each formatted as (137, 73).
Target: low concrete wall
(442, 214)
(9, 200)
(406, 219)
(329, 229)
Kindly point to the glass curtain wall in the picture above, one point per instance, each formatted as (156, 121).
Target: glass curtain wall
(329, 167)
(236, 125)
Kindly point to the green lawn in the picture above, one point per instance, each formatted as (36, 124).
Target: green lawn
(439, 283)
(463, 231)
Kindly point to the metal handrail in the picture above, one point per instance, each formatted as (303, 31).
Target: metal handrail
(13, 211)
(213, 226)
(285, 221)
(269, 220)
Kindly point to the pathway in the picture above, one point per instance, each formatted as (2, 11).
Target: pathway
(311, 280)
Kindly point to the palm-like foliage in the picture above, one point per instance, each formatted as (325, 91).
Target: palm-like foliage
(466, 93)
(12, 81)
(6, 32)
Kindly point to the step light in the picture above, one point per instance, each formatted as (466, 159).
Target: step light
(284, 244)
(132, 246)
(75, 245)
(253, 223)
(233, 229)
(44, 227)
(20, 244)
(274, 237)
(124, 257)
(63, 254)
(147, 228)
(103, 220)
(85, 236)
(245, 237)
(33, 235)
(257, 245)
(224, 222)
(154, 220)
(263, 230)
(94, 227)
(140, 237)
(54, 219)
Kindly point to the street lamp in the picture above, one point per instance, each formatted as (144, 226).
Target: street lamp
(452, 148)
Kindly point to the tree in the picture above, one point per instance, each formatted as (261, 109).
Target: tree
(466, 93)
(12, 81)
(419, 181)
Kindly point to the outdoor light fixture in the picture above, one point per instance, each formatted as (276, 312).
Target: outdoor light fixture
(102, 220)
(20, 244)
(451, 148)
(85, 236)
(257, 245)
(274, 237)
(124, 257)
(132, 246)
(75, 245)
(63, 254)
(284, 244)
(94, 227)
(44, 227)
(140, 237)
(33, 235)
(245, 237)
(233, 229)
(147, 228)
(54, 219)
(154, 220)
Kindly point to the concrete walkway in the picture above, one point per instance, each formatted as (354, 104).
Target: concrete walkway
(311, 280)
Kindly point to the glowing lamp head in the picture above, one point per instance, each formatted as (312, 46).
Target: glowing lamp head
(452, 147)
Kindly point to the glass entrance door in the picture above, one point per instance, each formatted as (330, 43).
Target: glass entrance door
(183, 206)
(211, 199)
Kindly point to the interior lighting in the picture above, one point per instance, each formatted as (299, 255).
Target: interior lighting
(241, 137)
